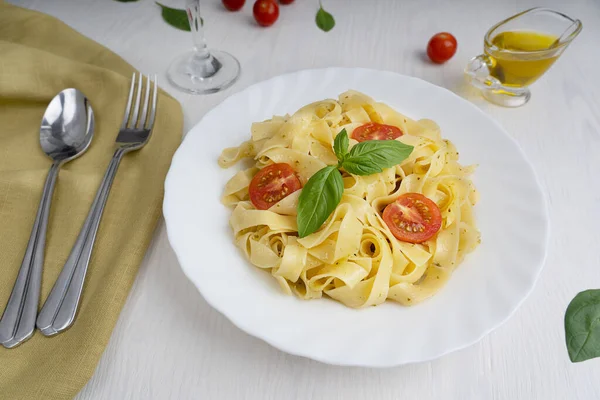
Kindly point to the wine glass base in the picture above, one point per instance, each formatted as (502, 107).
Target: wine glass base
(203, 74)
(516, 98)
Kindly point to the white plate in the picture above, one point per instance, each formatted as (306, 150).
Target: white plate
(484, 291)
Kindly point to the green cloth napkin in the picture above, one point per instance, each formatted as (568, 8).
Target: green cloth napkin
(40, 56)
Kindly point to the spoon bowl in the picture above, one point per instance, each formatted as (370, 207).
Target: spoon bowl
(67, 126)
(66, 132)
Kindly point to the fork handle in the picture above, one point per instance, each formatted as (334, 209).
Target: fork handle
(18, 321)
(60, 308)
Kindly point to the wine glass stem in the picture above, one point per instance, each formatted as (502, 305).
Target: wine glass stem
(196, 25)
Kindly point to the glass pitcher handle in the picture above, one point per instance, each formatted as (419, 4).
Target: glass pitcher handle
(478, 72)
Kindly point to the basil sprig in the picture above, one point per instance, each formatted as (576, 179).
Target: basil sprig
(582, 326)
(323, 191)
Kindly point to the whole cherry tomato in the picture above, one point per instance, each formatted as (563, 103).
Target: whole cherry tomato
(286, 1)
(233, 5)
(265, 12)
(441, 47)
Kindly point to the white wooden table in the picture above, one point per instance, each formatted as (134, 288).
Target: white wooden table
(170, 344)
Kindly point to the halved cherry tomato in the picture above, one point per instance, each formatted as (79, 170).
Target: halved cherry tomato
(441, 47)
(375, 131)
(271, 184)
(413, 218)
(265, 12)
(233, 5)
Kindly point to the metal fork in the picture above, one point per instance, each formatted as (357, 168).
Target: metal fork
(60, 308)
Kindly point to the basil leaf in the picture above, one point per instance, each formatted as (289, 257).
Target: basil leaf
(319, 197)
(374, 156)
(175, 17)
(361, 166)
(324, 20)
(582, 326)
(340, 145)
(387, 152)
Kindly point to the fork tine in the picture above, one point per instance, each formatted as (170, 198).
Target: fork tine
(136, 109)
(128, 107)
(142, 121)
(153, 109)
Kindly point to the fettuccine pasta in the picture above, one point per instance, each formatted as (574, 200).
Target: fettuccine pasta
(353, 257)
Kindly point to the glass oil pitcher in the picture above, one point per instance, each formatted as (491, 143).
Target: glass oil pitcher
(519, 50)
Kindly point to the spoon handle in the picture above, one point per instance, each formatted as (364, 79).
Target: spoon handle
(60, 308)
(18, 321)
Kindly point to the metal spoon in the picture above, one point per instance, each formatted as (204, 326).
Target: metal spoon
(66, 132)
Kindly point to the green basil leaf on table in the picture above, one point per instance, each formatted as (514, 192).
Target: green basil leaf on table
(582, 326)
(340, 145)
(374, 156)
(324, 20)
(175, 17)
(320, 196)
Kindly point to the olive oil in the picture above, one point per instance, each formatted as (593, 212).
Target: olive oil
(519, 58)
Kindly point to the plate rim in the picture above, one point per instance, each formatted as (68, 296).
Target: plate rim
(348, 362)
